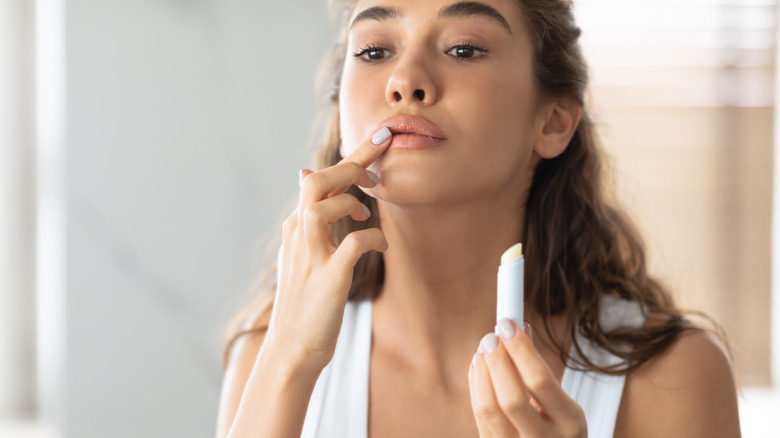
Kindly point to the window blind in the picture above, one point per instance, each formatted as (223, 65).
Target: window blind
(680, 52)
(682, 93)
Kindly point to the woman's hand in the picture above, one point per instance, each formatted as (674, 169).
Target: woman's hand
(314, 274)
(515, 394)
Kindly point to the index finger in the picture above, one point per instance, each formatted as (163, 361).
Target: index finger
(371, 149)
(536, 374)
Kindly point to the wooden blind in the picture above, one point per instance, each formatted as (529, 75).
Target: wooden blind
(681, 52)
(683, 94)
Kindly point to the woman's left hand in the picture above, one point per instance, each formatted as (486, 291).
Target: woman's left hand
(515, 394)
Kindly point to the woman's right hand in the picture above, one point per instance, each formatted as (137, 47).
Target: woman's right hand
(314, 274)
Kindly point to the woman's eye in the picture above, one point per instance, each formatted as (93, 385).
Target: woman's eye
(465, 52)
(369, 54)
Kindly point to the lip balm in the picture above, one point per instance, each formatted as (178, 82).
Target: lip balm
(511, 272)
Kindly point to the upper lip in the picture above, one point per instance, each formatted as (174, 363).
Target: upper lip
(409, 124)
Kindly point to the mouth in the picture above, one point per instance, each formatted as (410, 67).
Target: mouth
(413, 125)
(414, 133)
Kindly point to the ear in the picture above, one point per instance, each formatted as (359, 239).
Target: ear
(557, 122)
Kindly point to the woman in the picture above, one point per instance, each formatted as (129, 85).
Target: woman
(460, 128)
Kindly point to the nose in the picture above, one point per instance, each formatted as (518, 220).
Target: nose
(411, 83)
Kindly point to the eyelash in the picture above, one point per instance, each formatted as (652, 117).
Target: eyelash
(468, 45)
(464, 45)
(365, 49)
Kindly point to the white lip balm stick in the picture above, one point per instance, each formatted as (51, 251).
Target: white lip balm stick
(510, 285)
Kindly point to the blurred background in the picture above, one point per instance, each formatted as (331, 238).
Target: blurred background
(149, 150)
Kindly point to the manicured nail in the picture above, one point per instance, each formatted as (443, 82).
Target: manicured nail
(528, 330)
(372, 176)
(300, 178)
(368, 212)
(505, 328)
(474, 359)
(381, 136)
(488, 343)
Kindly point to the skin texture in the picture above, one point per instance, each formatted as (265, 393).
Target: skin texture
(447, 214)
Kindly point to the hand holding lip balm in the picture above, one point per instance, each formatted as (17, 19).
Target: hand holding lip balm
(509, 378)
(511, 273)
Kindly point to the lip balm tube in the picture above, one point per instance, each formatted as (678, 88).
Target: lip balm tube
(511, 272)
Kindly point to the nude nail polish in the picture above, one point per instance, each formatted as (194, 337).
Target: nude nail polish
(488, 343)
(505, 329)
(381, 136)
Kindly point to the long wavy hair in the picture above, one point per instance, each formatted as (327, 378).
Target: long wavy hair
(579, 247)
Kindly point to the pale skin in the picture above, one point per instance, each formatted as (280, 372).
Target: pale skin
(447, 214)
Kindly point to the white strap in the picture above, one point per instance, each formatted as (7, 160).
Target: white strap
(599, 394)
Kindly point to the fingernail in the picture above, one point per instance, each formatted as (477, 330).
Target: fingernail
(368, 212)
(528, 330)
(505, 328)
(488, 343)
(381, 136)
(300, 178)
(372, 176)
(474, 359)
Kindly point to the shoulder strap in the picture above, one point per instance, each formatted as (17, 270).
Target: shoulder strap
(599, 394)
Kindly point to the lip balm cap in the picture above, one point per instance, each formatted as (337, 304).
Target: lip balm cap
(515, 251)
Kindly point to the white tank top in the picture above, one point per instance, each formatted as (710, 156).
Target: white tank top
(338, 407)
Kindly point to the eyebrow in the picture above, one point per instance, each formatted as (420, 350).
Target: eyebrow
(468, 9)
(378, 13)
(455, 10)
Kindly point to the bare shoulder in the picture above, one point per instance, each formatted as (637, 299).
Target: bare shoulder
(248, 343)
(689, 390)
(240, 361)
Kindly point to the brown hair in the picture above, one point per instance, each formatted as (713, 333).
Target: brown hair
(579, 247)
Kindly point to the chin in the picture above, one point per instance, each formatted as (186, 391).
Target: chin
(413, 189)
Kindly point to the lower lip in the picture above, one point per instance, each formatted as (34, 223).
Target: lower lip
(414, 141)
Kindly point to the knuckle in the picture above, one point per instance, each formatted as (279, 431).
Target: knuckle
(511, 406)
(374, 233)
(289, 224)
(487, 413)
(312, 183)
(537, 383)
(353, 167)
(347, 199)
(354, 241)
(311, 214)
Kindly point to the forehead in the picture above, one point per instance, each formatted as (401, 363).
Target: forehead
(505, 13)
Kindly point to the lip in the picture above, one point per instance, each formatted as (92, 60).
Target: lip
(413, 132)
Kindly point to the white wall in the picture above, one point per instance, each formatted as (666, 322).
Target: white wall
(186, 123)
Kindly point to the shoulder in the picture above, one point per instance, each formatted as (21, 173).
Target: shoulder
(240, 359)
(689, 390)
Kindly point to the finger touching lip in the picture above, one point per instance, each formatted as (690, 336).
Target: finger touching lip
(369, 151)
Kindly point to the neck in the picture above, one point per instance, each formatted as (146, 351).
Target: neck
(439, 294)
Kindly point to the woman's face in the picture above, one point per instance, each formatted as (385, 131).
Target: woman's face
(458, 78)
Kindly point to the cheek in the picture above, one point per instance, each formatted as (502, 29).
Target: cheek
(498, 115)
(346, 121)
(356, 99)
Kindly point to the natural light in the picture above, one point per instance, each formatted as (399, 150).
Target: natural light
(697, 77)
